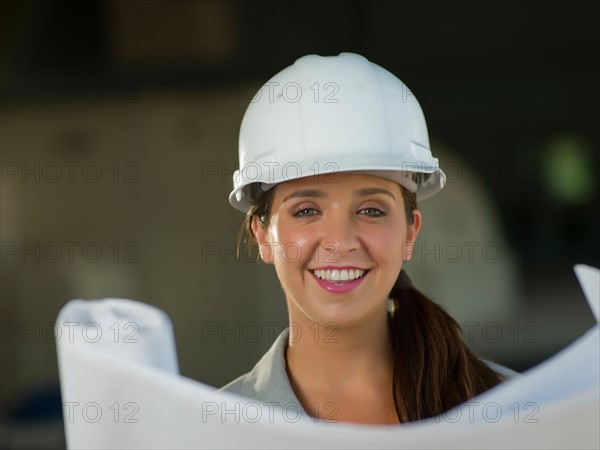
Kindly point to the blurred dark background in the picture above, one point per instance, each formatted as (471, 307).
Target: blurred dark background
(119, 127)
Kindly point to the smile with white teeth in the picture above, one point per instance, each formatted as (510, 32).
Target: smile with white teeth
(339, 275)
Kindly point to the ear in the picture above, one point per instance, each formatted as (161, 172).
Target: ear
(411, 236)
(263, 239)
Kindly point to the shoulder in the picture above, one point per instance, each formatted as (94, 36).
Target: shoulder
(505, 372)
(268, 380)
(235, 386)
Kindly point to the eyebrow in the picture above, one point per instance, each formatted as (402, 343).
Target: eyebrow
(304, 193)
(317, 193)
(373, 190)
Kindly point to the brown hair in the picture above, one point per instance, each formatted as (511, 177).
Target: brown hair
(434, 370)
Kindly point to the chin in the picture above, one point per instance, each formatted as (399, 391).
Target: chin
(342, 315)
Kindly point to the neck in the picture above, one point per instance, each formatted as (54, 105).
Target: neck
(339, 360)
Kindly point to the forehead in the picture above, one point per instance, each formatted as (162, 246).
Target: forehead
(337, 181)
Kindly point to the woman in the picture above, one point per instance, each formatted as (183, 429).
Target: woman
(334, 153)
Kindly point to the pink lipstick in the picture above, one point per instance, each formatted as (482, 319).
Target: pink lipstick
(338, 280)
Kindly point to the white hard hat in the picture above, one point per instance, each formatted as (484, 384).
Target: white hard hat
(331, 114)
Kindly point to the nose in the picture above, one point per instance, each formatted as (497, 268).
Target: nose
(339, 236)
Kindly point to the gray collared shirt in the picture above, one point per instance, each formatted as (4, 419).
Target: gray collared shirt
(268, 381)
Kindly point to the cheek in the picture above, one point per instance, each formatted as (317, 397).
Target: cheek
(385, 246)
(388, 243)
(293, 244)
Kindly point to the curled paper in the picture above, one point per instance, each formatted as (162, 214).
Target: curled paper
(121, 389)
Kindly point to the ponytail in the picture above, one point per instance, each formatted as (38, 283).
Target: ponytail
(434, 370)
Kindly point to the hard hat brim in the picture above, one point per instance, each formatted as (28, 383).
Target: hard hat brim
(425, 182)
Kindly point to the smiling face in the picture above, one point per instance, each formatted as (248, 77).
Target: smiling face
(337, 247)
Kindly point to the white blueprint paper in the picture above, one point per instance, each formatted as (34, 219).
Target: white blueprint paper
(589, 278)
(121, 389)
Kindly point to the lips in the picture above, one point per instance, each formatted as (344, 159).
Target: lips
(339, 279)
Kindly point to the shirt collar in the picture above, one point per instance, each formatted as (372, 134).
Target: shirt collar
(268, 381)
